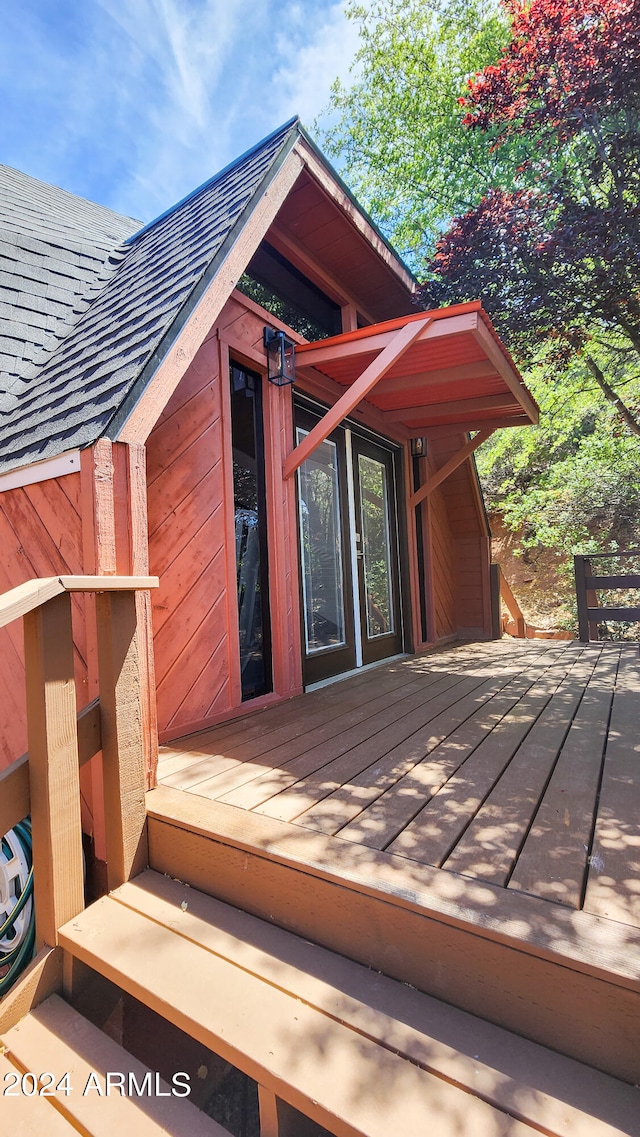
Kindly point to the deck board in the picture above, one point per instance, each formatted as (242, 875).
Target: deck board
(273, 735)
(492, 840)
(613, 885)
(405, 795)
(553, 860)
(433, 835)
(481, 760)
(268, 785)
(318, 743)
(375, 744)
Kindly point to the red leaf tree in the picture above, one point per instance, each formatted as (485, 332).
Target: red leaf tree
(556, 257)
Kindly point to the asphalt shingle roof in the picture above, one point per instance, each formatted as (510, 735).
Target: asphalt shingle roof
(54, 255)
(84, 318)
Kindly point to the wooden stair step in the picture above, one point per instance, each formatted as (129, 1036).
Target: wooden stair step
(55, 1038)
(23, 1116)
(358, 1053)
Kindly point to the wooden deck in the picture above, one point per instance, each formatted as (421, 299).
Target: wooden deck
(511, 762)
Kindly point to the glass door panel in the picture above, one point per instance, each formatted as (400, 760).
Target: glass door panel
(326, 593)
(321, 548)
(249, 499)
(377, 549)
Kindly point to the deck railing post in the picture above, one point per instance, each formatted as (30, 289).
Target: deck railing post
(53, 767)
(592, 600)
(496, 622)
(122, 736)
(584, 629)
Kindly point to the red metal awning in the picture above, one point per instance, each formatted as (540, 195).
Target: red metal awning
(455, 372)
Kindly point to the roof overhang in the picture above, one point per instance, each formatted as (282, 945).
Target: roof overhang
(455, 372)
(430, 372)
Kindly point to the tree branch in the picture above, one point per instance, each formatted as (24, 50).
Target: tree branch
(610, 394)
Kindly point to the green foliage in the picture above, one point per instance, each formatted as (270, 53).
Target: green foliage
(535, 209)
(554, 251)
(573, 482)
(398, 131)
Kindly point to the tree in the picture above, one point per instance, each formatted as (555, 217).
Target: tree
(398, 129)
(529, 190)
(555, 254)
(573, 482)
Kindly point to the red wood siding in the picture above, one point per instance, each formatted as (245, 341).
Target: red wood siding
(40, 535)
(186, 549)
(460, 527)
(191, 535)
(442, 567)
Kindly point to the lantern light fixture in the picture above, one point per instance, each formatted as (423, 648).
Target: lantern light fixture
(418, 447)
(281, 363)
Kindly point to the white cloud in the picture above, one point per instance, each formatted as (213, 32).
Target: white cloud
(135, 102)
(302, 82)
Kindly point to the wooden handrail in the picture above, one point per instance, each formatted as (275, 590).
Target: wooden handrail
(46, 781)
(15, 797)
(590, 612)
(33, 593)
(518, 627)
(500, 590)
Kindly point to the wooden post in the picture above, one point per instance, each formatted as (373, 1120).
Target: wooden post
(122, 736)
(279, 1119)
(53, 767)
(581, 598)
(496, 624)
(417, 601)
(514, 607)
(592, 600)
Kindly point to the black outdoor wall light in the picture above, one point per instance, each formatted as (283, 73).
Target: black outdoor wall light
(281, 363)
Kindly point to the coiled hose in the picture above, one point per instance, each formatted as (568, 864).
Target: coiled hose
(17, 916)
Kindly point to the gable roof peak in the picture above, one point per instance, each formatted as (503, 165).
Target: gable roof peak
(85, 386)
(285, 130)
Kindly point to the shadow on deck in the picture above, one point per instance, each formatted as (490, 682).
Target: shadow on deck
(465, 821)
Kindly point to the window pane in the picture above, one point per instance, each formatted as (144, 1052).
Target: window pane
(321, 548)
(250, 530)
(376, 546)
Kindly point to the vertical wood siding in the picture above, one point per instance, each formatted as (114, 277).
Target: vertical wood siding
(40, 535)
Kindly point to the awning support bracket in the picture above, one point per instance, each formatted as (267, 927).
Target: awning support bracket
(400, 343)
(454, 461)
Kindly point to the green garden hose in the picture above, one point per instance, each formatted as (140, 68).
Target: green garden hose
(17, 916)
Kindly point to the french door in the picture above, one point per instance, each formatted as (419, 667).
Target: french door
(350, 581)
(376, 545)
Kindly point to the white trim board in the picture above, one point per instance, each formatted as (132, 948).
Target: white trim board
(57, 467)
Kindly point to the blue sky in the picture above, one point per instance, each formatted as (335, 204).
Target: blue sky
(133, 103)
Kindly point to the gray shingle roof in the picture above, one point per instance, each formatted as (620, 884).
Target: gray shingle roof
(118, 306)
(54, 254)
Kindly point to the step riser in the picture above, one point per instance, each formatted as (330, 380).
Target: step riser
(592, 1019)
